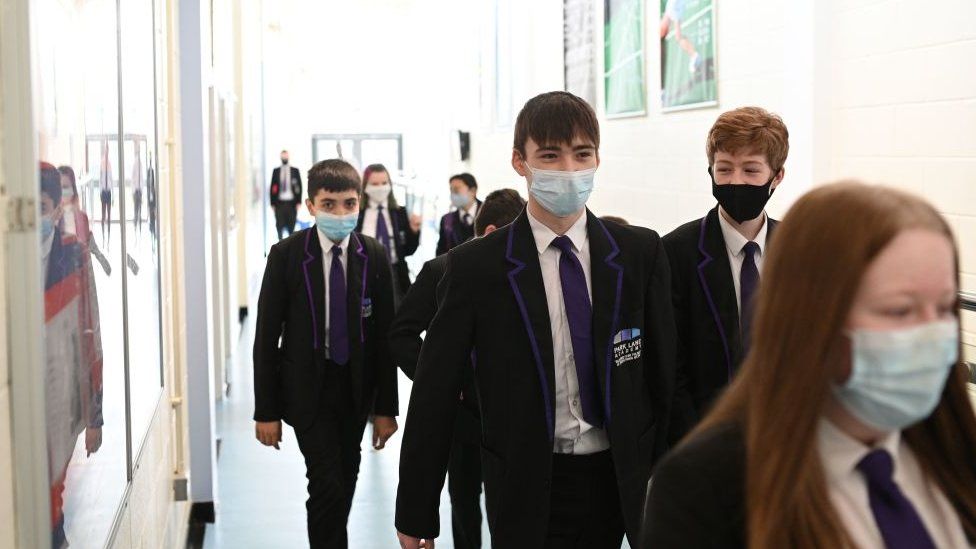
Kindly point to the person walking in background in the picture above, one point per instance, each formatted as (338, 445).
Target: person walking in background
(457, 227)
(716, 261)
(286, 196)
(380, 217)
(138, 183)
(850, 424)
(416, 312)
(106, 181)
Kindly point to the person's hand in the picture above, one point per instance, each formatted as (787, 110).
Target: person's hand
(410, 542)
(383, 429)
(93, 440)
(268, 433)
(415, 222)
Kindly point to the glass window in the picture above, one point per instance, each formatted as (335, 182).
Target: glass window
(75, 73)
(139, 194)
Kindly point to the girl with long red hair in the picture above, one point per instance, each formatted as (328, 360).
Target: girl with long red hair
(849, 424)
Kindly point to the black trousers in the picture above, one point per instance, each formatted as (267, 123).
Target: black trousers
(464, 481)
(584, 505)
(331, 446)
(286, 214)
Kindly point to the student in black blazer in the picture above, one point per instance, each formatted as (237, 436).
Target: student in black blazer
(413, 318)
(323, 377)
(713, 275)
(849, 424)
(382, 218)
(574, 391)
(457, 227)
(286, 195)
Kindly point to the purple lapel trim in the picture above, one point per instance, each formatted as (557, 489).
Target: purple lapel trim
(362, 295)
(309, 258)
(708, 294)
(609, 260)
(519, 267)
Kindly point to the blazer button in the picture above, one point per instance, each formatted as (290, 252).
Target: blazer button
(547, 483)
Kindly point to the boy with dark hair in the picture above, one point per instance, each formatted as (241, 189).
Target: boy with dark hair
(415, 314)
(327, 295)
(570, 323)
(457, 227)
(716, 260)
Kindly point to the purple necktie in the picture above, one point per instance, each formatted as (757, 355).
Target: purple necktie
(580, 316)
(749, 283)
(382, 233)
(899, 523)
(338, 320)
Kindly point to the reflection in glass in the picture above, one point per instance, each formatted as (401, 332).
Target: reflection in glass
(141, 259)
(75, 75)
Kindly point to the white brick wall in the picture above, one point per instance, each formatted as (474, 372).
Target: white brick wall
(903, 107)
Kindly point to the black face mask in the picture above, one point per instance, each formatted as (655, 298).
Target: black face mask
(742, 202)
(284, 161)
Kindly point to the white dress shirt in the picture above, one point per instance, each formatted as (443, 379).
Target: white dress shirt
(471, 210)
(573, 435)
(734, 244)
(369, 225)
(327, 269)
(840, 454)
(284, 190)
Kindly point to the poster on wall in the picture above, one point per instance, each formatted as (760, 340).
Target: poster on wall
(623, 53)
(688, 76)
(579, 56)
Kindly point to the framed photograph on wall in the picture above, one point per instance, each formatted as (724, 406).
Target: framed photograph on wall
(579, 49)
(623, 53)
(688, 75)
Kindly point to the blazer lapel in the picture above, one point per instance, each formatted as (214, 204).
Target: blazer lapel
(314, 275)
(456, 228)
(715, 275)
(358, 270)
(607, 289)
(525, 278)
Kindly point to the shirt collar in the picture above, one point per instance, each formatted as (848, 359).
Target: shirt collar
(544, 235)
(734, 240)
(840, 453)
(327, 244)
(472, 208)
(373, 205)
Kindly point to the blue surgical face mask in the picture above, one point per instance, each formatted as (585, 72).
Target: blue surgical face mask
(460, 200)
(47, 226)
(897, 376)
(336, 227)
(561, 193)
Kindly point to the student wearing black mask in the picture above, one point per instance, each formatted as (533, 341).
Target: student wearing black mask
(716, 261)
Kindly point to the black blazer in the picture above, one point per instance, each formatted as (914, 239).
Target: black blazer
(296, 184)
(492, 300)
(454, 232)
(412, 319)
(706, 313)
(288, 377)
(696, 499)
(405, 243)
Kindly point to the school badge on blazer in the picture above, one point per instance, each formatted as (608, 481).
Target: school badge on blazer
(367, 310)
(627, 345)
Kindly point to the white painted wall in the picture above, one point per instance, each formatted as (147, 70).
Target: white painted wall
(903, 108)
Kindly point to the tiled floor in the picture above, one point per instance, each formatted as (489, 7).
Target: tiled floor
(261, 492)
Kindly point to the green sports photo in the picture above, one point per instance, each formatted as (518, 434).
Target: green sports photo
(688, 75)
